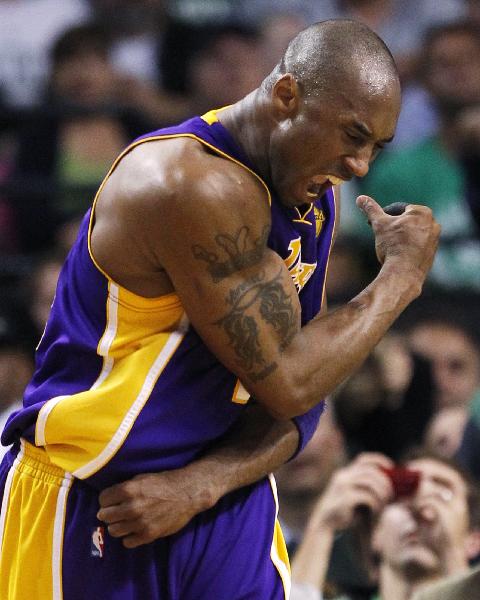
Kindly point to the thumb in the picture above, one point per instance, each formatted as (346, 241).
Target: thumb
(372, 209)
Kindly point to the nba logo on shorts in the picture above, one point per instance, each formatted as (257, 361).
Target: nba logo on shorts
(98, 543)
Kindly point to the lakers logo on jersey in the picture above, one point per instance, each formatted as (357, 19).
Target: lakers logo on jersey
(300, 271)
(319, 219)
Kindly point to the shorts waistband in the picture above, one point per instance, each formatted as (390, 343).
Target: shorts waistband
(35, 462)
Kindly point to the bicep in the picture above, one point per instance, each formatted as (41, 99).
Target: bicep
(238, 295)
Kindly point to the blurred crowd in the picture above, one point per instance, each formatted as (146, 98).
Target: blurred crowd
(80, 79)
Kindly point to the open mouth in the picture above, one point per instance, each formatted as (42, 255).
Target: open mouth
(335, 180)
(315, 190)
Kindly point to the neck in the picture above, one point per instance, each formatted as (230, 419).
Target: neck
(397, 585)
(247, 122)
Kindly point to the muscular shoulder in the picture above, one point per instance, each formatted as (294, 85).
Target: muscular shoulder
(183, 175)
(221, 189)
(178, 187)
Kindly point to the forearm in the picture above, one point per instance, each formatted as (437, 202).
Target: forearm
(259, 445)
(311, 560)
(332, 346)
(155, 505)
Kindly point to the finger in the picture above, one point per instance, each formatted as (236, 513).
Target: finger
(134, 540)
(118, 512)
(370, 208)
(363, 497)
(119, 493)
(375, 459)
(123, 528)
(111, 496)
(418, 209)
(375, 482)
(144, 536)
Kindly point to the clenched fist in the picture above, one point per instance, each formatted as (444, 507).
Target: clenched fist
(410, 239)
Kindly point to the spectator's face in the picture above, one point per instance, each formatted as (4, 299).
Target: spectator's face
(455, 362)
(453, 70)
(318, 140)
(86, 78)
(228, 71)
(426, 535)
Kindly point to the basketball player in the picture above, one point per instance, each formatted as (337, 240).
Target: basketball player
(194, 286)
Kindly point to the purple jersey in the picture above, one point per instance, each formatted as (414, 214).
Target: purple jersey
(124, 384)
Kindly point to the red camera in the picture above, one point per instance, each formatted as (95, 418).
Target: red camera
(405, 481)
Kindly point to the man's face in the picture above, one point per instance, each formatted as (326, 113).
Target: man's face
(330, 138)
(455, 362)
(417, 537)
(452, 72)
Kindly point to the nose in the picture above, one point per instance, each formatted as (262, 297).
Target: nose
(357, 165)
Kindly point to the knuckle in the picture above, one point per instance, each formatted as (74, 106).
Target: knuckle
(145, 521)
(132, 512)
(129, 489)
(136, 512)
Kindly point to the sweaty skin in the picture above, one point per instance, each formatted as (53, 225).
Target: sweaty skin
(174, 217)
(172, 191)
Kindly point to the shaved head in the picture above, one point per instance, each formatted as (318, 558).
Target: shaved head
(332, 55)
(327, 109)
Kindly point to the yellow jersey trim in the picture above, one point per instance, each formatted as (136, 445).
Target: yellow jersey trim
(240, 394)
(278, 550)
(303, 218)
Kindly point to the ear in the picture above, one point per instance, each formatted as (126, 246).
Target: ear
(286, 96)
(472, 544)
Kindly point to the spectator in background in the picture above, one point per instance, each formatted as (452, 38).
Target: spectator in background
(453, 351)
(41, 290)
(386, 405)
(473, 10)
(454, 355)
(469, 136)
(464, 587)
(16, 360)
(349, 270)
(301, 480)
(64, 154)
(275, 34)
(417, 539)
(402, 24)
(444, 432)
(226, 66)
(135, 29)
(28, 29)
(431, 171)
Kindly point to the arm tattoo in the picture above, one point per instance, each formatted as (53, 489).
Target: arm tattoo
(276, 309)
(240, 253)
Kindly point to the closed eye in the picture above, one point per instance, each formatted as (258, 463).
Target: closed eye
(355, 137)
